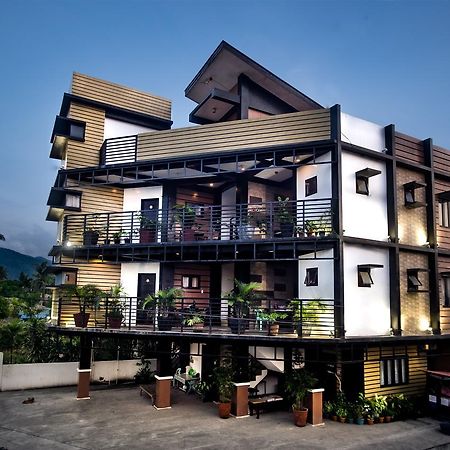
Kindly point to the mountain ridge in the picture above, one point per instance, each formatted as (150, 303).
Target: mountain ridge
(15, 262)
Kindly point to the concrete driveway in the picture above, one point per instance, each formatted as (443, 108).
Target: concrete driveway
(120, 418)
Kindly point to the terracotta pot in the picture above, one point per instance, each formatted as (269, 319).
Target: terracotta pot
(198, 327)
(81, 319)
(300, 417)
(369, 421)
(224, 410)
(342, 419)
(114, 322)
(381, 419)
(388, 419)
(334, 418)
(147, 235)
(274, 328)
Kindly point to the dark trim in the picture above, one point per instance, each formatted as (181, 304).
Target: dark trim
(215, 94)
(115, 112)
(244, 94)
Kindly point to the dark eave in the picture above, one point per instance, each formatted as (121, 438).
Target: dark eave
(216, 105)
(226, 64)
(115, 112)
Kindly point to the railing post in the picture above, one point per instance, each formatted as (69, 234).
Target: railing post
(59, 311)
(106, 311)
(107, 226)
(304, 217)
(182, 314)
(131, 233)
(129, 312)
(300, 323)
(135, 147)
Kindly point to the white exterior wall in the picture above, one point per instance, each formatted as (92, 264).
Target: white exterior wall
(364, 216)
(227, 284)
(117, 128)
(129, 275)
(362, 133)
(366, 310)
(323, 173)
(325, 287)
(196, 360)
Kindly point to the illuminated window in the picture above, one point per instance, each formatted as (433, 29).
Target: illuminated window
(190, 281)
(312, 277)
(394, 371)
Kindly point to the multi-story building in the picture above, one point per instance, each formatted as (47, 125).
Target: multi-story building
(348, 216)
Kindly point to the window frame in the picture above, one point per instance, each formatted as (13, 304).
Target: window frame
(446, 290)
(363, 190)
(388, 371)
(190, 279)
(312, 276)
(361, 281)
(444, 214)
(311, 186)
(413, 280)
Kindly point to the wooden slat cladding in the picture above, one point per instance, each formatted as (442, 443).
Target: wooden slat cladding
(283, 129)
(121, 96)
(443, 266)
(416, 369)
(409, 148)
(443, 233)
(441, 159)
(200, 295)
(86, 154)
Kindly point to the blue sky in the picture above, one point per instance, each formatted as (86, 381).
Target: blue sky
(385, 61)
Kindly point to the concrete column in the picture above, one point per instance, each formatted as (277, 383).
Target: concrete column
(239, 401)
(84, 368)
(314, 401)
(163, 391)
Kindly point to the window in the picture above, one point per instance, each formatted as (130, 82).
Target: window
(362, 180)
(446, 285)
(410, 194)
(365, 274)
(444, 214)
(394, 371)
(312, 277)
(190, 282)
(76, 131)
(73, 201)
(310, 186)
(414, 282)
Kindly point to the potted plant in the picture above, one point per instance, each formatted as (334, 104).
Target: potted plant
(148, 228)
(284, 215)
(91, 231)
(306, 314)
(342, 412)
(196, 322)
(185, 216)
(223, 380)
(271, 319)
(328, 409)
(164, 302)
(88, 296)
(310, 227)
(239, 300)
(116, 236)
(297, 384)
(115, 306)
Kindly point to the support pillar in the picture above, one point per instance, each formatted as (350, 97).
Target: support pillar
(163, 391)
(84, 368)
(239, 401)
(315, 402)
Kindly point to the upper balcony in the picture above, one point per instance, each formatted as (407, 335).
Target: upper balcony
(282, 221)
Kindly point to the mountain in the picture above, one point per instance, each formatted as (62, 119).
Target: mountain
(15, 262)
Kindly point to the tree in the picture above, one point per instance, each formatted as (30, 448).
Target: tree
(25, 281)
(41, 279)
(2, 237)
(3, 274)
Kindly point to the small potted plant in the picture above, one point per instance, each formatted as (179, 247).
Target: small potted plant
(328, 409)
(196, 322)
(358, 412)
(116, 236)
(271, 319)
(164, 303)
(185, 216)
(297, 384)
(240, 299)
(91, 231)
(285, 214)
(342, 412)
(223, 380)
(88, 296)
(115, 306)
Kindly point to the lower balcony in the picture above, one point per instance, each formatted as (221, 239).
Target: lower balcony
(289, 319)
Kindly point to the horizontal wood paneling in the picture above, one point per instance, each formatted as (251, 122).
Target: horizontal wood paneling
(441, 159)
(409, 148)
(443, 233)
(417, 375)
(121, 96)
(221, 137)
(86, 154)
(201, 270)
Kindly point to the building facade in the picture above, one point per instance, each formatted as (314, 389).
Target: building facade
(349, 217)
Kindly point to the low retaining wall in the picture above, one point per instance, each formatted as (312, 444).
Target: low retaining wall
(43, 375)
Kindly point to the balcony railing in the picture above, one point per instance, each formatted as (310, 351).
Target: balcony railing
(308, 318)
(241, 222)
(118, 150)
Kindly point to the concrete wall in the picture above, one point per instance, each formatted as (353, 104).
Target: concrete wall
(43, 375)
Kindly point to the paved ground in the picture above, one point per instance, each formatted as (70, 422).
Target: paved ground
(119, 418)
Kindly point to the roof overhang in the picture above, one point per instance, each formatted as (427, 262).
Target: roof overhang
(61, 133)
(214, 106)
(223, 69)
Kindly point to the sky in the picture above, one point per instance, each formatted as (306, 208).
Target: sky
(384, 61)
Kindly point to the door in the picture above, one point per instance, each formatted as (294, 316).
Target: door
(149, 220)
(146, 286)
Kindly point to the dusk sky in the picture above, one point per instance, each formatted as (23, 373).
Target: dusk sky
(385, 61)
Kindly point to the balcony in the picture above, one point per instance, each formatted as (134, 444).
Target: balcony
(271, 221)
(120, 150)
(306, 319)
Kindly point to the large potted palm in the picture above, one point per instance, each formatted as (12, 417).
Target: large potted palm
(164, 303)
(185, 216)
(306, 314)
(115, 306)
(297, 384)
(223, 380)
(240, 299)
(88, 296)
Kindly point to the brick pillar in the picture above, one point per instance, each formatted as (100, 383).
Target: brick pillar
(239, 402)
(84, 368)
(163, 390)
(314, 401)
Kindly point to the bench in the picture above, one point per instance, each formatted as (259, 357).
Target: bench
(145, 389)
(265, 402)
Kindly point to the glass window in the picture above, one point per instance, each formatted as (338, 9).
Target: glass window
(444, 214)
(73, 201)
(310, 186)
(312, 276)
(364, 277)
(190, 281)
(76, 131)
(394, 371)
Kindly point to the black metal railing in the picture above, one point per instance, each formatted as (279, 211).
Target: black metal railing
(273, 220)
(300, 318)
(119, 150)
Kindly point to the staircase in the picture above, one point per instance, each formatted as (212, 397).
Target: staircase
(266, 357)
